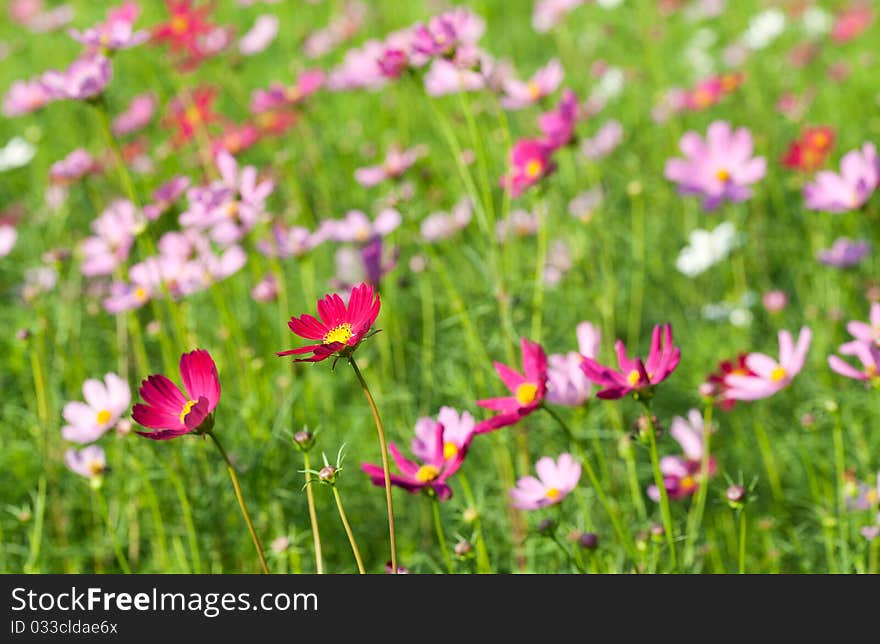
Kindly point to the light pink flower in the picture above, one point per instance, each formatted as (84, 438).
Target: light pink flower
(519, 94)
(440, 225)
(770, 376)
(165, 196)
(8, 237)
(556, 479)
(288, 242)
(260, 36)
(116, 33)
(681, 475)
(137, 116)
(73, 167)
(104, 406)
(397, 161)
(90, 462)
(25, 97)
(867, 353)
(266, 289)
(604, 142)
(457, 431)
(114, 233)
(858, 179)
(549, 13)
(85, 78)
(279, 96)
(445, 77)
(357, 227)
(868, 332)
(566, 382)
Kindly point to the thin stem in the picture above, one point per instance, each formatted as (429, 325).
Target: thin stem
(117, 547)
(313, 517)
(568, 554)
(742, 542)
(113, 144)
(769, 461)
(384, 448)
(441, 536)
(483, 565)
(354, 545)
(241, 503)
(695, 517)
(665, 511)
(842, 514)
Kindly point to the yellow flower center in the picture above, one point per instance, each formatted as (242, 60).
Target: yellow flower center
(723, 175)
(778, 374)
(534, 168)
(729, 82)
(179, 25)
(340, 333)
(104, 416)
(232, 209)
(703, 98)
(534, 90)
(95, 468)
(140, 293)
(819, 140)
(687, 483)
(186, 409)
(292, 94)
(427, 473)
(552, 493)
(450, 450)
(633, 377)
(193, 116)
(526, 393)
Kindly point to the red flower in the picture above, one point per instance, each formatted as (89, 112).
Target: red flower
(811, 150)
(185, 25)
(190, 113)
(716, 384)
(340, 329)
(171, 412)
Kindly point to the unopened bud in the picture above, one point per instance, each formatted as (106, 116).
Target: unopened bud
(463, 549)
(736, 496)
(328, 474)
(303, 440)
(589, 540)
(657, 532)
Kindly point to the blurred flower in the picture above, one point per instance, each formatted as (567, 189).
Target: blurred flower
(845, 252)
(719, 168)
(710, 91)
(235, 139)
(25, 97)
(17, 153)
(558, 263)
(105, 404)
(440, 225)
(114, 232)
(557, 125)
(73, 167)
(764, 28)
(266, 289)
(774, 301)
(260, 36)
(816, 21)
(341, 328)
(342, 28)
(681, 476)
(519, 223)
(549, 13)
(851, 23)
(191, 112)
(41, 279)
(519, 94)
(186, 24)
(288, 242)
(357, 227)
(137, 116)
(867, 332)
(706, 248)
(397, 161)
(85, 78)
(866, 352)
(716, 384)
(556, 479)
(170, 412)
(770, 376)
(849, 190)
(530, 161)
(89, 462)
(635, 376)
(445, 77)
(606, 140)
(165, 196)
(527, 390)
(116, 33)
(51, 20)
(279, 96)
(585, 204)
(566, 383)
(810, 150)
(8, 237)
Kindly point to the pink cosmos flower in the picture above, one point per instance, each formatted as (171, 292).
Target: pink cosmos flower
(851, 22)
(8, 237)
(845, 252)
(260, 36)
(519, 94)
(393, 62)
(73, 167)
(105, 404)
(604, 142)
(359, 68)
(116, 33)
(867, 353)
(286, 242)
(519, 223)
(445, 33)
(357, 227)
(397, 161)
(280, 96)
(457, 431)
(774, 301)
(770, 376)
(90, 462)
(530, 161)
(445, 77)
(236, 138)
(441, 463)
(681, 475)
(719, 168)
(341, 327)
(556, 479)
(165, 196)
(137, 116)
(440, 225)
(266, 289)
(557, 125)
(85, 78)
(867, 332)
(858, 179)
(566, 382)
(171, 412)
(549, 13)
(636, 376)
(114, 234)
(527, 390)
(25, 97)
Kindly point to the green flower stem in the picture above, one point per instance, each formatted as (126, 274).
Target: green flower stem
(441, 536)
(351, 539)
(742, 542)
(241, 503)
(568, 554)
(665, 510)
(383, 446)
(117, 547)
(313, 517)
(483, 564)
(695, 516)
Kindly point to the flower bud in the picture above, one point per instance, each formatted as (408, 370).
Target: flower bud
(657, 532)
(303, 440)
(736, 496)
(589, 541)
(463, 549)
(328, 474)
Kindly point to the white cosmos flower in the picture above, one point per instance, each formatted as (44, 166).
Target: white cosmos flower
(764, 28)
(16, 154)
(706, 249)
(817, 21)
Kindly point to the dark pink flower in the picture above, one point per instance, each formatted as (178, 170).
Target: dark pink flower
(530, 161)
(527, 389)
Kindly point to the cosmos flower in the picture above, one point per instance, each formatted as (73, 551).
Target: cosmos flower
(17, 153)
(186, 25)
(557, 125)
(716, 385)
(440, 460)
(719, 168)
(706, 248)
(850, 23)
(114, 233)
(636, 376)
(357, 227)
(116, 33)
(445, 77)
(90, 462)
(681, 475)
(556, 479)
(25, 97)
(440, 225)
(341, 327)
(527, 389)
(266, 289)
(105, 403)
(810, 150)
(604, 142)
(85, 78)
(189, 113)
(397, 161)
(73, 167)
(858, 179)
(770, 376)
(867, 332)
(260, 36)
(287, 242)
(457, 431)
(530, 161)
(519, 94)
(165, 196)
(279, 96)
(867, 353)
(137, 116)
(845, 252)
(169, 411)
(566, 382)
(549, 13)
(8, 237)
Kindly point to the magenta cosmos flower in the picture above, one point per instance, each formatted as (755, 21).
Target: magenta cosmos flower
(681, 475)
(527, 390)
(440, 460)
(636, 376)
(105, 404)
(137, 116)
(86, 78)
(340, 329)
(557, 125)
(529, 163)
(849, 190)
(719, 168)
(556, 479)
(769, 375)
(519, 94)
(171, 412)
